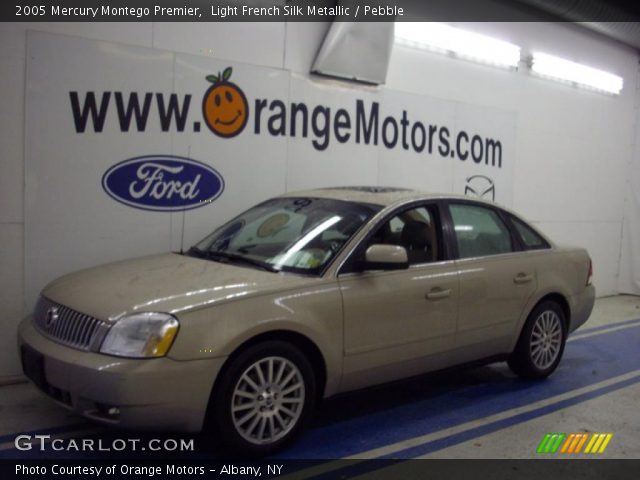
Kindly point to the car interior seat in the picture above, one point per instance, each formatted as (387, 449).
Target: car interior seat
(415, 238)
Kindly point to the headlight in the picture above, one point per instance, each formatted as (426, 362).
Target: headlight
(141, 335)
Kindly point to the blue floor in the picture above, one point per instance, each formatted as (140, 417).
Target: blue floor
(386, 415)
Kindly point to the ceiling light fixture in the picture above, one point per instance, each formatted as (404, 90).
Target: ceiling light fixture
(444, 38)
(557, 68)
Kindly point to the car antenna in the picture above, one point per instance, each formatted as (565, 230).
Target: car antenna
(184, 210)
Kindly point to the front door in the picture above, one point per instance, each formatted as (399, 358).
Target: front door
(398, 323)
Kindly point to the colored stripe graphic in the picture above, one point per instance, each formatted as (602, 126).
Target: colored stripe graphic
(574, 443)
(578, 440)
(580, 444)
(565, 447)
(543, 443)
(550, 442)
(598, 443)
(590, 444)
(606, 442)
(554, 447)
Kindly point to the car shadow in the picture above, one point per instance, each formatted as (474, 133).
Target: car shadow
(415, 389)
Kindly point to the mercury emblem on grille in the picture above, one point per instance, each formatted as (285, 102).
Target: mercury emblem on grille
(51, 317)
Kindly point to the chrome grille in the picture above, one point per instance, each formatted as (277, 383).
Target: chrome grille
(67, 326)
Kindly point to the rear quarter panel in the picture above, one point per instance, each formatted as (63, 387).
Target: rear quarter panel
(561, 270)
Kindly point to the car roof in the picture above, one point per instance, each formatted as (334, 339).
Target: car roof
(383, 196)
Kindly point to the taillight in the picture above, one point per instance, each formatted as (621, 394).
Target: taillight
(590, 274)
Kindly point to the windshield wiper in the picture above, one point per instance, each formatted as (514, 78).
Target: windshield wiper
(195, 252)
(214, 255)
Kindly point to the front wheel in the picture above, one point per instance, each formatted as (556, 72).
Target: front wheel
(541, 343)
(264, 398)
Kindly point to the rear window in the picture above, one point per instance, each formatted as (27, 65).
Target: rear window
(530, 239)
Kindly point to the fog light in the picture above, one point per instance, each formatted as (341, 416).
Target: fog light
(107, 411)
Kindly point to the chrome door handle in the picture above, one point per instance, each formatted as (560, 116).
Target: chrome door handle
(523, 278)
(438, 293)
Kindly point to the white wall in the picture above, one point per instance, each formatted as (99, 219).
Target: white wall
(573, 147)
(629, 276)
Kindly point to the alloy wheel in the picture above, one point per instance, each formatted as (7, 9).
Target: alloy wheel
(268, 400)
(546, 339)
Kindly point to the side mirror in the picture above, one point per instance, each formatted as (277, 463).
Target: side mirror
(386, 257)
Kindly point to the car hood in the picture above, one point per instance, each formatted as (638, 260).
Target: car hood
(170, 283)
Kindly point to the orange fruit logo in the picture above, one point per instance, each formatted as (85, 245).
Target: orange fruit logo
(224, 107)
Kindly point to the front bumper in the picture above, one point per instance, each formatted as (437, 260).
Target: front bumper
(149, 394)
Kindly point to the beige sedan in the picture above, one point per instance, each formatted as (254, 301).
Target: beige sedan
(299, 298)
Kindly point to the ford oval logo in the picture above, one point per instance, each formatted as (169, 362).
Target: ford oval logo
(164, 183)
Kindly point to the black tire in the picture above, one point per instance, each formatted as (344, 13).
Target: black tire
(522, 360)
(224, 399)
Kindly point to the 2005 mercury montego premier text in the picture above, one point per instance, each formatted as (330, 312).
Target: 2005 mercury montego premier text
(299, 298)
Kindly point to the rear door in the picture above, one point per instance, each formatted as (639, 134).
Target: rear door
(496, 278)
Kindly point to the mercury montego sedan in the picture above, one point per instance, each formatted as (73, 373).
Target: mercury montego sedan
(299, 298)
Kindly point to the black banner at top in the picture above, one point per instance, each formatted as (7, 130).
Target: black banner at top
(309, 10)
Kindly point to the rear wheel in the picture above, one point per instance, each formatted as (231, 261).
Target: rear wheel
(264, 398)
(541, 343)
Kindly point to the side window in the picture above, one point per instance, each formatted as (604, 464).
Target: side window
(530, 239)
(479, 231)
(416, 230)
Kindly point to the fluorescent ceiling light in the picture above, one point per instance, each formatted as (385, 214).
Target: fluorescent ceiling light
(564, 70)
(447, 39)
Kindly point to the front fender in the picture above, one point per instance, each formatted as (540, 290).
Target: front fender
(312, 311)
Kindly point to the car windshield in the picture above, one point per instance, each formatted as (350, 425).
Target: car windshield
(286, 234)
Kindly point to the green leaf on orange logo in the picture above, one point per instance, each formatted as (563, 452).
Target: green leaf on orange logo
(227, 73)
(212, 78)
